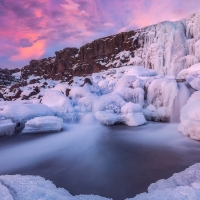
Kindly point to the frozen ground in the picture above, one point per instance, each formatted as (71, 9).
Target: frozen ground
(111, 161)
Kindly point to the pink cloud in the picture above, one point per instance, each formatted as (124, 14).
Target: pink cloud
(36, 28)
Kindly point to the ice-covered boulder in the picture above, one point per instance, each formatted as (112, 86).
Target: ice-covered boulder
(131, 95)
(132, 114)
(58, 102)
(190, 117)
(43, 124)
(7, 127)
(184, 185)
(194, 69)
(36, 187)
(21, 111)
(195, 83)
(82, 99)
(112, 109)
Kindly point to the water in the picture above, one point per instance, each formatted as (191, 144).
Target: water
(181, 99)
(112, 161)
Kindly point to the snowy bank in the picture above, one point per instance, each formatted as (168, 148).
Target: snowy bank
(43, 124)
(184, 185)
(35, 187)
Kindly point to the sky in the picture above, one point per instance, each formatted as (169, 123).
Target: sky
(34, 29)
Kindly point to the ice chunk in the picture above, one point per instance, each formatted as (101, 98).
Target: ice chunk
(43, 124)
(7, 127)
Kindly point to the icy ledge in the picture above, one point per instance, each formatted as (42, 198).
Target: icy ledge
(184, 185)
(35, 188)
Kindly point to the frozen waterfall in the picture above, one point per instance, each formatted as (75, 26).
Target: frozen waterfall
(180, 100)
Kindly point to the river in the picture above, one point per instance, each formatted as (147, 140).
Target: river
(111, 161)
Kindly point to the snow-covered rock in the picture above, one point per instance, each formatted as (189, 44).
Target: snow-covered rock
(35, 187)
(43, 124)
(194, 69)
(7, 127)
(190, 117)
(195, 83)
(184, 185)
(21, 111)
(112, 109)
(58, 102)
(132, 114)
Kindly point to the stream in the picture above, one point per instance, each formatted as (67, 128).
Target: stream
(112, 161)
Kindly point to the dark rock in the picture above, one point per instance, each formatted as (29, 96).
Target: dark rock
(67, 92)
(33, 81)
(1, 95)
(87, 80)
(17, 93)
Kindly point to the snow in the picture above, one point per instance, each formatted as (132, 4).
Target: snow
(190, 117)
(184, 185)
(195, 83)
(62, 87)
(21, 111)
(17, 75)
(111, 109)
(7, 127)
(58, 102)
(43, 124)
(131, 95)
(36, 187)
(161, 94)
(194, 69)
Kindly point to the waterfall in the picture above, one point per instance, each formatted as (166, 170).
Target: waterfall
(181, 99)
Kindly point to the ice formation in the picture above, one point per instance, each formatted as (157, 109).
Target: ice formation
(184, 185)
(43, 124)
(35, 187)
(190, 117)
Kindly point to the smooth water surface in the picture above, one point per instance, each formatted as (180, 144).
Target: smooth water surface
(111, 161)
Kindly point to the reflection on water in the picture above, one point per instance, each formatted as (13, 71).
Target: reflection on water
(111, 161)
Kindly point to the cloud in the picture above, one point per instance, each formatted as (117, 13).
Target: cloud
(25, 43)
(31, 29)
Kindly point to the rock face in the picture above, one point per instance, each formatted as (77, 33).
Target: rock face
(88, 59)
